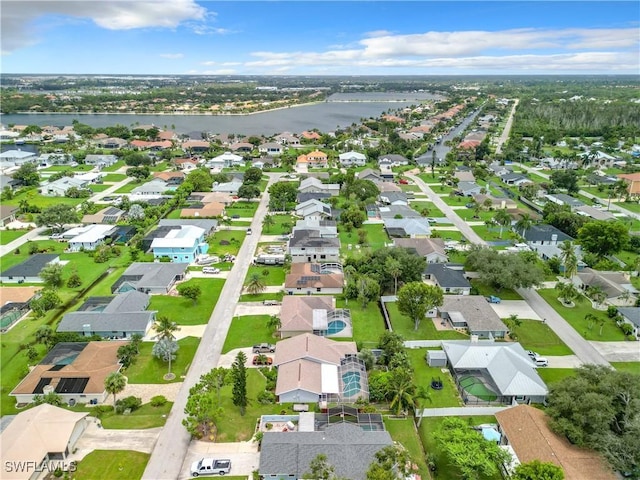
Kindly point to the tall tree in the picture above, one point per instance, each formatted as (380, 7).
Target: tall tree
(190, 291)
(503, 219)
(268, 222)
(114, 384)
(503, 270)
(51, 275)
(239, 375)
(415, 299)
(165, 350)
(255, 285)
(248, 191)
(568, 258)
(393, 267)
(27, 174)
(200, 179)
(402, 391)
(524, 223)
(57, 216)
(603, 237)
(165, 328)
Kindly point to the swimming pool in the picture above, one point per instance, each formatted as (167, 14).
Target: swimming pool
(335, 326)
(351, 381)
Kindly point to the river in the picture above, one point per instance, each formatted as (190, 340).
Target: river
(340, 111)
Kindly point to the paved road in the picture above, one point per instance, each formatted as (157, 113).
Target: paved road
(580, 347)
(440, 148)
(614, 206)
(507, 128)
(461, 225)
(173, 443)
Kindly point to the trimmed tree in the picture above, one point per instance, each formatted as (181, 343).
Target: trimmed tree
(57, 216)
(415, 299)
(239, 376)
(190, 291)
(114, 384)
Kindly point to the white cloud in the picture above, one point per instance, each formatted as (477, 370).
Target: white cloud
(18, 16)
(172, 56)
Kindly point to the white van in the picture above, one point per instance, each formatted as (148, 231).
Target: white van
(541, 362)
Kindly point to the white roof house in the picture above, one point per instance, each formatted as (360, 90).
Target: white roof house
(352, 158)
(227, 159)
(184, 237)
(58, 188)
(153, 188)
(91, 237)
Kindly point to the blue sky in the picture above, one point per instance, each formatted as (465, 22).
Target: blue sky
(320, 37)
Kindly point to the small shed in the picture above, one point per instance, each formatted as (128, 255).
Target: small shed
(436, 358)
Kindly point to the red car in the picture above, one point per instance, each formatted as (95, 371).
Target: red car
(262, 360)
(403, 181)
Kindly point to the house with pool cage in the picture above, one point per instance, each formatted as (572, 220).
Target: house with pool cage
(487, 372)
(314, 369)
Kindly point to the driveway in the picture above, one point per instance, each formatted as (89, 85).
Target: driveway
(564, 361)
(619, 351)
(146, 391)
(244, 456)
(517, 307)
(98, 438)
(259, 309)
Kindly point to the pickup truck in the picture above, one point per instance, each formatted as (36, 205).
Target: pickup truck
(264, 348)
(210, 466)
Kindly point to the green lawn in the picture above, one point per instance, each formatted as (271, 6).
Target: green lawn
(95, 187)
(631, 367)
(426, 330)
(453, 201)
(423, 374)
(376, 236)
(368, 323)
(537, 336)
(485, 290)
(275, 275)
(631, 206)
(8, 236)
(146, 416)
(404, 431)
(553, 375)
(246, 331)
(427, 178)
(282, 225)
(434, 211)
(242, 208)
(114, 177)
(447, 234)
(112, 464)
(231, 242)
(34, 198)
(444, 469)
(128, 187)
(64, 168)
(409, 188)
(261, 296)
(182, 310)
(493, 233)
(149, 369)
(116, 166)
(575, 316)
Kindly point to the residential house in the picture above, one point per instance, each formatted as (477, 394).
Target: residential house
(118, 317)
(407, 227)
(270, 148)
(226, 160)
(504, 369)
(108, 215)
(315, 159)
(352, 159)
(500, 170)
(39, 439)
(599, 178)
(288, 138)
(186, 164)
(153, 146)
(242, 147)
(465, 176)
(203, 210)
(564, 199)
(211, 197)
(616, 285)
(15, 303)
(602, 159)
(501, 203)
(450, 278)
(74, 370)
(313, 314)
(7, 214)
(547, 252)
(150, 278)
(308, 246)
(172, 179)
(631, 315)
(471, 313)
(469, 189)
(426, 160)
(154, 188)
(208, 225)
(325, 228)
(313, 209)
(371, 175)
(100, 161)
(29, 270)
(594, 213)
(432, 249)
(59, 187)
(47, 159)
(543, 234)
(313, 368)
(111, 143)
(633, 182)
(307, 135)
(393, 198)
(16, 158)
(526, 432)
(196, 146)
(91, 237)
(231, 187)
(348, 447)
(312, 184)
(182, 245)
(517, 179)
(389, 212)
(6, 181)
(303, 197)
(313, 278)
(393, 160)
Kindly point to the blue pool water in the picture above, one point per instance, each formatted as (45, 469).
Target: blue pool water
(351, 381)
(335, 326)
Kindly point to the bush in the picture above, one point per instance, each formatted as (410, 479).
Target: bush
(611, 311)
(158, 401)
(100, 410)
(626, 328)
(128, 403)
(266, 398)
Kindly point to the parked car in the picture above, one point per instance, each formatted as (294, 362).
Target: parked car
(210, 466)
(210, 270)
(248, 231)
(270, 302)
(264, 348)
(235, 217)
(532, 354)
(262, 360)
(403, 181)
(55, 236)
(541, 362)
(493, 299)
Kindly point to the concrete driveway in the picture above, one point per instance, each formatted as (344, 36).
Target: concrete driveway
(618, 351)
(98, 438)
(244, 456)
(517, 307)
(564, 361)
(227, 359)
(253, 309)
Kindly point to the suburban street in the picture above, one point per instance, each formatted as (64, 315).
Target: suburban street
(507, 128)
(173, 442)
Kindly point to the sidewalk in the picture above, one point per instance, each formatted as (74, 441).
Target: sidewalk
(459, 411)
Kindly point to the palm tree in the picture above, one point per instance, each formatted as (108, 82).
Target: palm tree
(114, 384)
(619, 188)
(597, 294)
(524, 223)
(403, 391)
(422, 394)
(568, 258)
(165, 328)
(393, 268)
(268, 222)
(274, 323)
(255, 285)
(567, 292)
(591, 319)
(503, 219)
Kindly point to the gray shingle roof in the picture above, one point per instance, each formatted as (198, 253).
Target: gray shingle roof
(477, 313)
(349, 448)
(447, 277)
(31, 267)
(544, 232)
(153, 275)
(631, 313)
